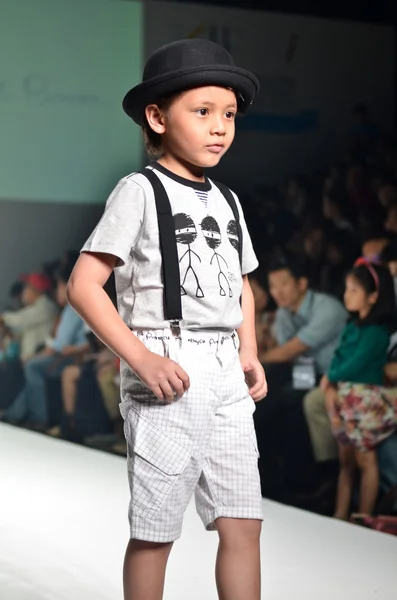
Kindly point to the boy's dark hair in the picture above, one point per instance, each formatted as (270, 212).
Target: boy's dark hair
(63, 274)
(153, 141)
(384, 310)
(292, 263)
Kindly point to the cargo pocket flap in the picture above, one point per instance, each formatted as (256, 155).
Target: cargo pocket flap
(156, 446)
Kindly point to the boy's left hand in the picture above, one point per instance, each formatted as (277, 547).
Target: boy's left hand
(254, 375)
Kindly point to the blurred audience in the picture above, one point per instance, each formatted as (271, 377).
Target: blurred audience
(33, 322)
(68, 343)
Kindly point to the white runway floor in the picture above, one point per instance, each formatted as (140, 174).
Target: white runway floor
(63, 530)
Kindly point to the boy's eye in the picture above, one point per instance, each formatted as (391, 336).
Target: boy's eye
(230, 115)
(202, 112)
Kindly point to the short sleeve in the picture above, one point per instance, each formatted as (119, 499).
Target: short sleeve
(249, 260)
(118, 230)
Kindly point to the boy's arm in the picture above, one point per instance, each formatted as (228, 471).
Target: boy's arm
(87, 296)
(246, 331)
(251, 366)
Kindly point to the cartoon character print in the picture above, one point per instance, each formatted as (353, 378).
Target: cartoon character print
(213, 237)
(232, 234)
(186, 233)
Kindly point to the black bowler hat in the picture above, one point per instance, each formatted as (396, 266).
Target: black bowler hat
(184, 65)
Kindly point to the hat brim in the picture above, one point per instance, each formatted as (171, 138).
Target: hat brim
(150, 92)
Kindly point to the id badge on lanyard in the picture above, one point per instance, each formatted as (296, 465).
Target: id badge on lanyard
(304, 374)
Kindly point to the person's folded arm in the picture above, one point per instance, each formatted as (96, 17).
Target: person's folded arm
(285, 353)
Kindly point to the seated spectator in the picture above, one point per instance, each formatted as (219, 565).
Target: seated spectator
(362, 411)
(264, 310)
(374, 244)
(359, 193)
(370, 223)
(11, 375)
(68, 343)
(391, 219)
(296, 197)
(387, 193)
(34, 322)
(335, 211)
(314, 245)
(323, 442)
(307, 323)
(333, 179)
(389, 257)
(104, 367)
(341, 253)
(15, 296)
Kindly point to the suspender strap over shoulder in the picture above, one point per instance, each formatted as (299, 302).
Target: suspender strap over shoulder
(169, 251)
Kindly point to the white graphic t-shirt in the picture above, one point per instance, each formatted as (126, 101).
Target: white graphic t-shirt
(206, 236)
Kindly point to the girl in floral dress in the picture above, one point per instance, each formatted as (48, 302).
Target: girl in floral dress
(362, 411)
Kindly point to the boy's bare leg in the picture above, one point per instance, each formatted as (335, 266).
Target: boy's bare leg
(369, 487)
(345, 482)
(144, 570)
(238, 570)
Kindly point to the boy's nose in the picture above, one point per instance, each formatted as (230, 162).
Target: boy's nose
(218, 126)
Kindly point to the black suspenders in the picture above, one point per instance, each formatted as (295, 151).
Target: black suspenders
(168, 246)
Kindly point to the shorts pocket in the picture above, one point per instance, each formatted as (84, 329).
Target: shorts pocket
(155, 462)
(254, 440)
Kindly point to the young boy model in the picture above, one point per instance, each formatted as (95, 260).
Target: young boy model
(188, 379)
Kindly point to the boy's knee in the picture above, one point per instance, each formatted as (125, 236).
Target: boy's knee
(238, 531)
(136, 546)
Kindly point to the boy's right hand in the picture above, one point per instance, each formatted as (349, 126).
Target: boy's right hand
(163, 376)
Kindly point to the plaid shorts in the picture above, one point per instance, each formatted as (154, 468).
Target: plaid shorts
(202, 444)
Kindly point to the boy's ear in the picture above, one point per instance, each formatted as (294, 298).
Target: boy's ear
(155, 118)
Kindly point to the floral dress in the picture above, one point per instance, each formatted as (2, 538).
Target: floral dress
(365, 412)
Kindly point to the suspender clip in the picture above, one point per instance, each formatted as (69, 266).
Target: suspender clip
(175, 327)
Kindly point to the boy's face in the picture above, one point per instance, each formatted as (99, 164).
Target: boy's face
(199, 126)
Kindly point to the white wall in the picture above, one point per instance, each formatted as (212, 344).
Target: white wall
(66, 66)
(335, 64)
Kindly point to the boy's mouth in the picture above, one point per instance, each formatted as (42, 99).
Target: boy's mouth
(215, 148)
